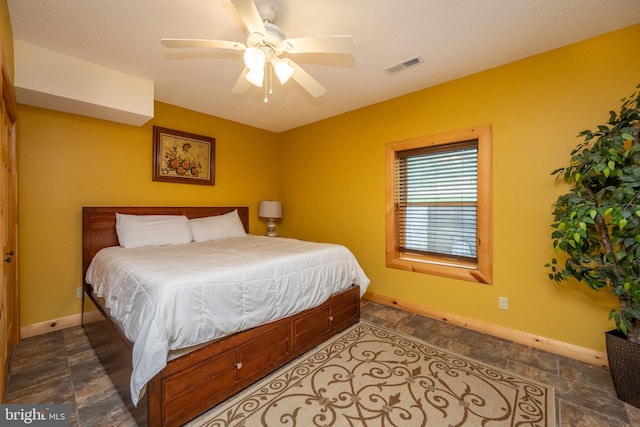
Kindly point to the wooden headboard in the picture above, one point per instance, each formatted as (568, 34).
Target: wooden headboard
(99, 223)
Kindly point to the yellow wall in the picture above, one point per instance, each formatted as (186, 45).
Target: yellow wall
(332, 180)
(68, 161)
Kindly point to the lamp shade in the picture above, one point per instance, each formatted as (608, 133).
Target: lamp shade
(283, 70)
(254, 58)
(270, 209)
(255, 76)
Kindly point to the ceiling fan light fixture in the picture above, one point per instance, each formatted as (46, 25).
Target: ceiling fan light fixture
(264, 43)
(283, 70)
(255, 76)
(254, 58)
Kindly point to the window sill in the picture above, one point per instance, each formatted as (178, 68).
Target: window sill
(460, 271)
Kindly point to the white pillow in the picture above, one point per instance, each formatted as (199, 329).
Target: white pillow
(136, 231)
(217, 227)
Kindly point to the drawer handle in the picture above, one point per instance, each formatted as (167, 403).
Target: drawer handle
(330, 318)
(238, 365)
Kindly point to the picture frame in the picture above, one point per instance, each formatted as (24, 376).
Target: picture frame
(183, 157)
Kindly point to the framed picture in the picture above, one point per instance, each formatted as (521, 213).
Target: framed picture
(183, 157)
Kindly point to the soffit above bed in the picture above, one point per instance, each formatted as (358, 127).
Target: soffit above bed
(48, 79)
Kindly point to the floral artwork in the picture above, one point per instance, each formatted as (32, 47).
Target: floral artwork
(183, 157)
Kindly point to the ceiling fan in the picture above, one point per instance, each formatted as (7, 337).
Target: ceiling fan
(264, 45)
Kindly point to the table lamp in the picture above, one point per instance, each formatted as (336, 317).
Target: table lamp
(272, 211)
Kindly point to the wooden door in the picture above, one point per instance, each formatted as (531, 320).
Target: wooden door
(9, 302)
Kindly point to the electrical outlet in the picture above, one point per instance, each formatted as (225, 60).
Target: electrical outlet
(503, 303)
(79, 293)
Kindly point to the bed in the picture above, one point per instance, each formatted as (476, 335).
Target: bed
(200, 370)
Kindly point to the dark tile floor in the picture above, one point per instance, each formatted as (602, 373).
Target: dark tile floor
(61, 367)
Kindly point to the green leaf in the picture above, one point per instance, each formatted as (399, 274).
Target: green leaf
(622, 223)
(622, 327)
(576, 237)
(593, 213)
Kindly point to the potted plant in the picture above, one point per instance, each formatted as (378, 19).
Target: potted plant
(597, 228)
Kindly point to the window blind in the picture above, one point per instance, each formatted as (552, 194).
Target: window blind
(436, 195)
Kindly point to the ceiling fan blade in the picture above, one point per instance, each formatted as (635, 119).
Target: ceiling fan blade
(249, 14)
(305, 80)
(320, 44)
(242, 84)
(201, 43)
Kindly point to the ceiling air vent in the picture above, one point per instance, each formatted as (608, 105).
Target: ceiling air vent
(404, 65)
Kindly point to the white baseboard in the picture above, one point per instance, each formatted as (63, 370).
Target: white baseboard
(542, 343)
(50, 325)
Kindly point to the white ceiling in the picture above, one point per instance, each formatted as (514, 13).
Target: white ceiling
(454, 38)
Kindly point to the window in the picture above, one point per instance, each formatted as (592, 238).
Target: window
(439, 205)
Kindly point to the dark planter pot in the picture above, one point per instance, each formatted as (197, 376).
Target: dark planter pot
(624, 364)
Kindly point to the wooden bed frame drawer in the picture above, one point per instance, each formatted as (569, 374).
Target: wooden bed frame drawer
(311, 326)
(262, 353)
(189, 389)
(320, 323)
(344, 312)
(179, 410)
(262, 343)
(210, 370)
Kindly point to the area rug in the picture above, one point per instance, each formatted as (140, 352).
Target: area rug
(371, 376)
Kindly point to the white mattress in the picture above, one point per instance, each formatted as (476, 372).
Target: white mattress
(171, 297)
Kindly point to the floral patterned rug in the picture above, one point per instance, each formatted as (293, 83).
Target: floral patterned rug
(371, 376)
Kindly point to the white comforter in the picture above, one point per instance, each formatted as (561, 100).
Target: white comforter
(171, 297)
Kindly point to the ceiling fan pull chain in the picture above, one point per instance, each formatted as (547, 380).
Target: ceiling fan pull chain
(266, 93)
(267, 82)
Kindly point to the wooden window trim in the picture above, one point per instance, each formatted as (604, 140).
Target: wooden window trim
(480, 272)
